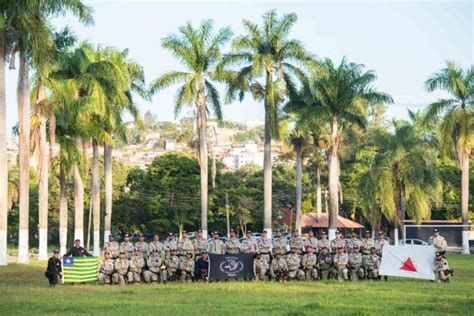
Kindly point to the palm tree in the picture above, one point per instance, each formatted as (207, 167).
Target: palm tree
(199, 50)
(265, 52)
(343, 93)
(457, 124)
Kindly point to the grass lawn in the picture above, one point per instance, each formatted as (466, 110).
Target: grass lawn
(24, 290)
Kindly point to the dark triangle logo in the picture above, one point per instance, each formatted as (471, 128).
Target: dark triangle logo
(408, 266)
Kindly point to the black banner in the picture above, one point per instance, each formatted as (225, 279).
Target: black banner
(239, 266)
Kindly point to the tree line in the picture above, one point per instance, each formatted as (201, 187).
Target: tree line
(79, 93)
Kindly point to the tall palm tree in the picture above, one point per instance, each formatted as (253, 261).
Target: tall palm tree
(344, 94)
(457, 124)
(265, 52)
(199, 50)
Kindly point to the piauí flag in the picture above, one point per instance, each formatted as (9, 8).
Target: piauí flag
(80, 269)
(410, 261)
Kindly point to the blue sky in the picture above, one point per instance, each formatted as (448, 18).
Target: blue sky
(403, 41)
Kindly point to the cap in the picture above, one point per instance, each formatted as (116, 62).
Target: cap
(56, 252)
(309, 246)
(339, 247)
(258, 253)
(137, 249)
(215, 233)
(170, 234)
(155, 250)
(324, 247)
(354, 234)
(121, 251)
(436, 230)
(126, 235)
(204, 251)
(189, 253)
(324, 232)
(141, 235)
(293, 247)
(367, 231)
(111, 236)
(355, 247)
(232, 230)
(172, 249)
(199, 231)
(296, 231)
(277, 231)
(438, 254)
(264, 231)
(338, 231)
(76, 240)
(372, 247)
(249, 232)
(381, 232)
(184, 232)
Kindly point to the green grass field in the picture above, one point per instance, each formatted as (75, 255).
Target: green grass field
(24, 290)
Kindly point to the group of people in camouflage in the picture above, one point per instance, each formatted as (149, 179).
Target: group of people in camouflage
(186, 260)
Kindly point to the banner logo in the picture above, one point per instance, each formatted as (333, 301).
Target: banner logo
(231, 266)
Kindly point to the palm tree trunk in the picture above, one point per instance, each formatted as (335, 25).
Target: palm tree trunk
(203, 162)
(23, 97)
(465, 199)
(63, 211)
(78, 199)
(43, 173)
(96, 195)
(108, 190)
(333, 179)
(318, 193)
(299, 180)
(3, 160)
(267, 157)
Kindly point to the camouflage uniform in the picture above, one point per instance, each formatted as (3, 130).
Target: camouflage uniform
(440, 268)
(248, 245)
(200, 244)
(106, 270)
(279, 269)
(336, 243)
(324, 243)
(279, 245)
(216, 246)
(355, 266)
(293, 262)
(154, 269)
(185, 246)
(371, 263)
(137, 263)
(168, 245)
(171, 270)
(298, 242)
(438, 242)
(143, 247)
(353, 242)
(367, 243)
(113, 247)
(325, 266)
(379, 244)
(156, 245)
(128, 247)
(260, 268)
(186, 268)
(340, 264)
(265, 248)
(313, 242)
(310, 266)
(232, 246)
(121, 270)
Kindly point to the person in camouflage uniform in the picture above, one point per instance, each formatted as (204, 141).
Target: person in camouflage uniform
(367, 243)
(264, 245)
(156, 245)
(232, 246)
(337, 242)
(371, 264)
(279, 268)
(324, 241)
(310, 264)
(355, 264)
(186, 267)
(380, 243)
(438, 241)
(127, 246)
(354, 241)
(293, 261)
(170, 244)
(112, 246)
(200, 244)
(106, 269)
(185, 245)
(216, 246)
(142, 245)
(260, 267)
(279, 243)
(121, 266)
(441, 268)
(137, 263)
(152, 274)
(311, 241)
(249, 245)
(326, 270)
(170, 273)
(340, 262)
(298, 242)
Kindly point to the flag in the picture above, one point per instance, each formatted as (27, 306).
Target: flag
(80, 269)
(410, 261)
(238, 266)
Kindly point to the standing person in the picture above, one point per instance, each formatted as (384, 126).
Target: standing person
(77, 250)
(112, 246)
(216, 246)
(355, 264)
(441, 268)
(293, 261)
(186, 267)
(311, 241)
(310, 264)
(142, 245)
(438, 241)
(337, 242)
(170, 244)
(232, 245)
(264, 245)
(324, 241)
(137, 263)
(201, 268)
(325, 264)
(279, 243)
(297, 242)
(379, 244)
(248, 244)
(54, 269)
(354, 241)
(156, 245)
(371, 264)
(127, 246)
(340, 262)
(200, 244)
(152, 274)
(260, 267)
(106, 268)
(367, 243)
(185, 245)
(121, 269)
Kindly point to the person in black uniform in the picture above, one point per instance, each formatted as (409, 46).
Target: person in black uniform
(77, 250)
(53, 271)
(201, 267)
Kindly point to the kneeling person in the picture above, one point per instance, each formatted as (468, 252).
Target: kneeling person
(260, 266)
(441, 268)
(152, 275)
(371, 264)
(310, 264)
(106, 268)
(136, 266)
(121, 269)
(186, 267)
(170, 273)
(355, 264)
(53, 271)
(325, 264)
(340, 263)
(293, 261)
(279, 268)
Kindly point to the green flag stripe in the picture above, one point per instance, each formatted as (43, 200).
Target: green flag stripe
(80, 270)
(74, 273)
(83, 266)
(80, 276)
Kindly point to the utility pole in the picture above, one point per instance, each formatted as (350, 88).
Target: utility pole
(227, 213)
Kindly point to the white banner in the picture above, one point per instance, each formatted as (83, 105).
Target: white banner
(411, 261)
